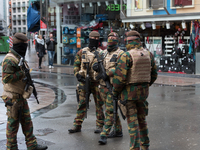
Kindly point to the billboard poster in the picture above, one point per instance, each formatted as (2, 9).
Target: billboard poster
(138, 5)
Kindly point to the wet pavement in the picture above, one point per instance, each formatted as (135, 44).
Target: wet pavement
(173, 120)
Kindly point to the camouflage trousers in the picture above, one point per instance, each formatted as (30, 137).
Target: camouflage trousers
(26, 124)
(109, 120)
(81, 110)
(137, 110)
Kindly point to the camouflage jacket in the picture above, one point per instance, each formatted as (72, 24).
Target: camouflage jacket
(78, 62)
(11, 72)
(131, 91)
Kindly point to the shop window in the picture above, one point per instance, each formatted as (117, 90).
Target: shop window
(182, 3)
(155, 4)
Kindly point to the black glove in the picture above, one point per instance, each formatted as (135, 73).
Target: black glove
(80, 78)
(8, 103)
(104, 76)
(96, 67)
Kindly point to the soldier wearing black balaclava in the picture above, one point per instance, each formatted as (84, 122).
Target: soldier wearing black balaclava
(14, 95)
(111, 54)
(87, 55)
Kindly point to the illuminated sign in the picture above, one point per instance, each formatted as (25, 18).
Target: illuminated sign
(113, 7)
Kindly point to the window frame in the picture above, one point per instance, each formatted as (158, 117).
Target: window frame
(178, 7)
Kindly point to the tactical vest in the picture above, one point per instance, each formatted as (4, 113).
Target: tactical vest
(88, 56)
(110, 62)
(141, 69)
(16, 87)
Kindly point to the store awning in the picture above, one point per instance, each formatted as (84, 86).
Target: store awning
(173, 17)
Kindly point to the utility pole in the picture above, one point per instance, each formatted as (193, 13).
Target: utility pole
(47, 18)
(40, 14)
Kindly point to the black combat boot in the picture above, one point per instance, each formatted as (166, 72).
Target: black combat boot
(98, 130)
(118, 134)
(40, 147)
(75, 129)
(103, 140)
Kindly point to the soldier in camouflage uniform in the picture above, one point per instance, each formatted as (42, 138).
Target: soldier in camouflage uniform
(13, 96)
(87, 55)
(111, 54)
(135, 72)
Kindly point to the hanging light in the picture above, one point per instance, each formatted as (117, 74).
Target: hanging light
(115, 2)
(90, 4)
(76, 5)
(183, 25)
(68, 6)
(153, 25)
(99, 3)
(143, 26)
(132, 26)
(107, 3)
(167, 25)
(83, 5)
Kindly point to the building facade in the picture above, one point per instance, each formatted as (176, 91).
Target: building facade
(19, 15)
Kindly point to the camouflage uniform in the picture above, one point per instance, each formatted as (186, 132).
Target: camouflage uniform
(106, 96)
(12, 73)
(136, 95)
(81, 110)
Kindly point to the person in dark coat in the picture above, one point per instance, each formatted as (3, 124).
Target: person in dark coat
(40, 49)
(51, 44)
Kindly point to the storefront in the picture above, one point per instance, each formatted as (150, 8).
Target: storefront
(78, 19)
(170, 30)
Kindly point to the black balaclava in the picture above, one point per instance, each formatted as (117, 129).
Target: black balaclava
(93, 43)
(20, 48)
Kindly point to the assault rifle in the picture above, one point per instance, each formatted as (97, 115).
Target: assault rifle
(28, 79)
(87, 87)
(108, 86)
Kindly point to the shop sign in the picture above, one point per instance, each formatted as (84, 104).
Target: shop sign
(113, 7)
(43, 26)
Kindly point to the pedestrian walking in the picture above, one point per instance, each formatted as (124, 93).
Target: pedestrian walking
(86, 55)
(40, 49)
(51, 43)
(15, 96)
(111, 55)
(135, 72)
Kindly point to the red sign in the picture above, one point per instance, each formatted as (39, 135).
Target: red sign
(10, 41)
(43, 26)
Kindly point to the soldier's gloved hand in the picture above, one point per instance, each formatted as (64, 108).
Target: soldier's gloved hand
(95, 67)
(80, 78)
(104, 76)
(8, 103)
